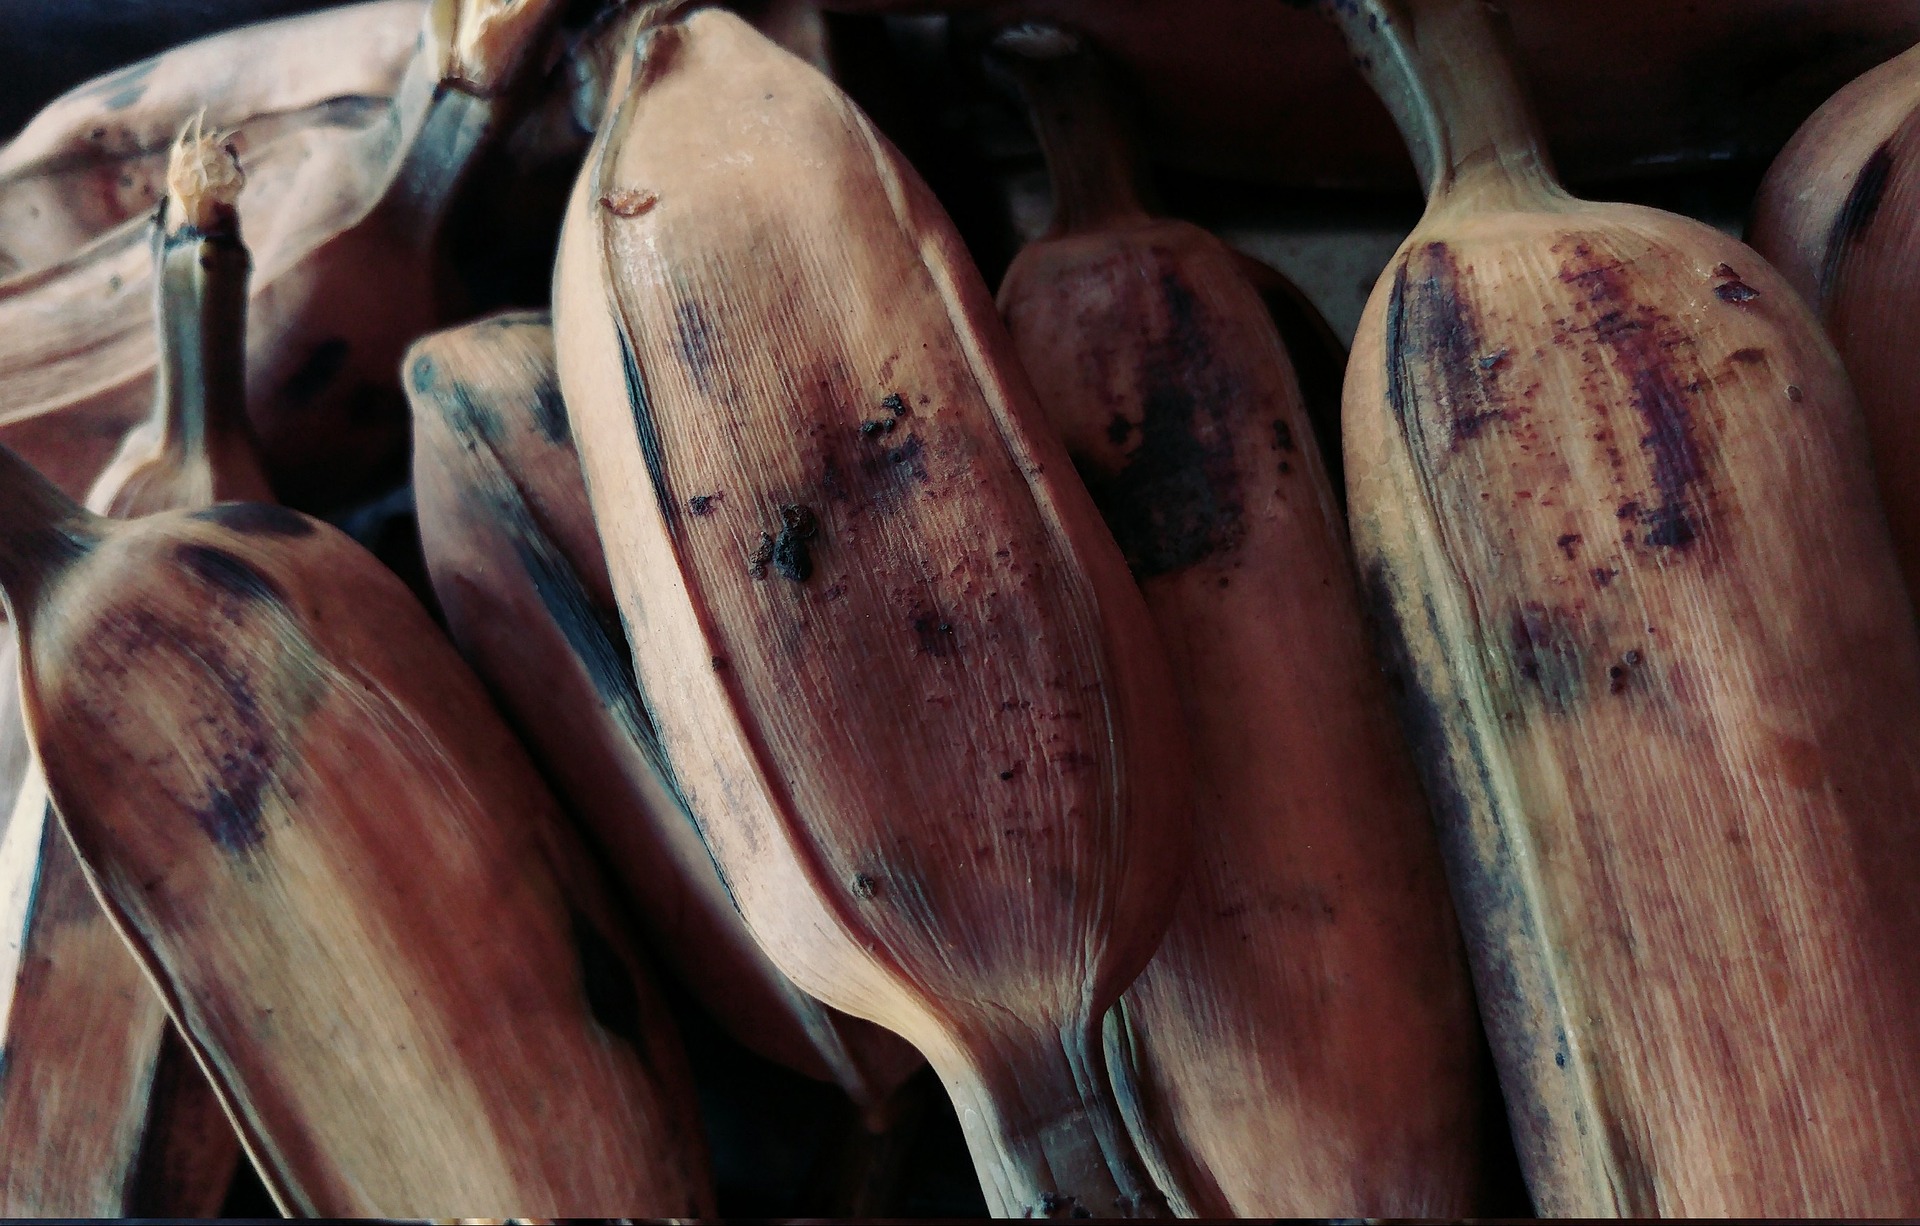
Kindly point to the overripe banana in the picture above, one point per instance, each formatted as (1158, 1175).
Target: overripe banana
(345, 875)
(1305, 1037)
(900, 674)
(517, 567)
(102, 1111)
(1612, 502)
(1839, 215)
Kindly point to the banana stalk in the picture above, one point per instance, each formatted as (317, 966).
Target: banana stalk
(1612, 502)
(345, 276)
(1839, 214)
(121, 1122)
(1305, 1040)
(517, 568)
(897, 667)
(343, 873)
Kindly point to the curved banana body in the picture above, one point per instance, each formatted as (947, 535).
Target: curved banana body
(1839, 215)
(1305, 1035)
(899, 671)
(516, 565)
(345, 875)
(1612, 502)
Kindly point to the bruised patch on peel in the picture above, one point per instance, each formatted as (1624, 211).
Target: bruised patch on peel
(1863, 202)
(1174, 499)
(1434, 351)
(230, 574)
(257, 519)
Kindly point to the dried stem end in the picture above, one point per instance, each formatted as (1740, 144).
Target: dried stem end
(480, 44)
(203, 183)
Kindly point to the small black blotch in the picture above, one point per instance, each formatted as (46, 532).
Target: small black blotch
(873, 429)
(321, 367)
(1749, 356)
(256, 519)
(230, 574)
(1119, 429)
(864, 887)
(1617, 679)
(1013, 772)
(1494, 361)
(1282, 436)
(702, 504)
(1671, 529)
(1735, 292)
(896, 404)
(1794, 393)
(1603, 575)
(719, 664)
(908, 455)
(792, 557)
(1560, 1059)
(1566, 544)
(611, 996)
(235, 801)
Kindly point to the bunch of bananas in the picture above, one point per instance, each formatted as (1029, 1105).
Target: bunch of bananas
(917, 676)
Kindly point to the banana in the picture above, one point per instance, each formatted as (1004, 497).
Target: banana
(1839, 214)
(344, 233)
(96, 157)
(1305, 1036)
(1613, 504)
(345, 876)
(897, 667)
(516, 565)
(123, 1123)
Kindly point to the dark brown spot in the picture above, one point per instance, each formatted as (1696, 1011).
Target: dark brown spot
(1546, 653)
(629, 202)
(1737, 292)
(1566, 544)
(1862, 203)
(1794, 393)
(873, 429)
(761, 557)
(896, 404)
(1282, 436)
(257, 519)
(1602, 575)
(864, 887)
(231, 575)
(550, 412)
(934, 633)
(703, 504)
(1749, 357)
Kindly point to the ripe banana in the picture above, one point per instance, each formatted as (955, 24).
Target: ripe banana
(517, 567)
(1839, 215)
(900, 674)
(1305, 1036)
(344, 237)
(122, 1123)
(96, 157)
(1612, 501)
(235, 708)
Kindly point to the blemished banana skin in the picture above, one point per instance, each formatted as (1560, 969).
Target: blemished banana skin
(1613, 507)
(917, 706)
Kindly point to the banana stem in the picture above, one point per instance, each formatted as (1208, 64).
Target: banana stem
(1044, 1130)
(200, 301)
(42, 531)
(1096, 176)
(474, 57)
(1445, 72)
